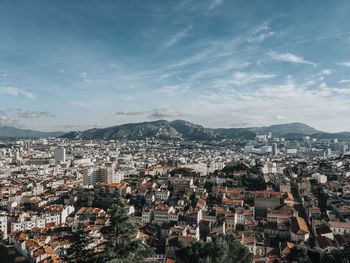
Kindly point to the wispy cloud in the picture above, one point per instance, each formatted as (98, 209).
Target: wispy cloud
(13, 91)
(84, 77)
(15, 116)
(164, 113)
(260, 106)
(178, 36)
(152, 114)
(344, 81)
(260, 33)
(9, 121)
(325, 72)
(344, 63)
(130, 113)
(215, 4)
(289, 57)
(244, 78)
(29, 114)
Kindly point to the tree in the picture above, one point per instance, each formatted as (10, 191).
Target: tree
(79, 250)
(120, 247)
(298, 254)
(336, 255)
(221, 249)
(208, 186)
(254, 184)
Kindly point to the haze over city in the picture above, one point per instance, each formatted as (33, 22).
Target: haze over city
(68, 65)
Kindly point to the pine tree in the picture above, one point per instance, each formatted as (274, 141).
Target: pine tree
(299, 254)
(221, 249)
(119, 246)
(79, 250)
(336, 255)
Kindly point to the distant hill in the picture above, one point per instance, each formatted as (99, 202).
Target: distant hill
(177, 130)
(288, 128)
(190, 131)
(12, 132)
(327, 135)
(184, 130)
(131, 131)
(235, 133)
(161, 129)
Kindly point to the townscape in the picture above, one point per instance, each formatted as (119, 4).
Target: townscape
(281, 199)
(183, 131)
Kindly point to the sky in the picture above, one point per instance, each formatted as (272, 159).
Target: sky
(74, 65)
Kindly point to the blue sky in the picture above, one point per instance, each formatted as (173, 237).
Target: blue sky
(67, 65)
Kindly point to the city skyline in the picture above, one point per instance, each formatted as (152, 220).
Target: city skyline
(75, 65)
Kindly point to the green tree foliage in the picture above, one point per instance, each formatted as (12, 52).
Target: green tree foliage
(221, 249)
(79, 250)
(298, 254)
(229, 169)
(254, 184)
(336, 255)
(120, 246)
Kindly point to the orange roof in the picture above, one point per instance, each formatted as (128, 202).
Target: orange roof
(48, 250)
(186, 239)
(227, 200)
(302, 225)
(22, 237)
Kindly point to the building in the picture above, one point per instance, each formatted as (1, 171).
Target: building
(104, 174)
(3, 227)
(89, 176)
(60, 155)
(274, 149)
(299, 230)
(341, 228)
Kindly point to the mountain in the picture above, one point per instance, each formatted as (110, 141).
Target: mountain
(132, 131)
(161, 129)
(190, 131)
(178, 130)
(288, 128)
(327, 135)
(235, 133)
(12, 132)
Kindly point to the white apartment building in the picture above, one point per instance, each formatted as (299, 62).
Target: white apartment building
(3, 226)
(60, 155)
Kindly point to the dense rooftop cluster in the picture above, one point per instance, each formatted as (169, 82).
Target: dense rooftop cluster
(278, 198)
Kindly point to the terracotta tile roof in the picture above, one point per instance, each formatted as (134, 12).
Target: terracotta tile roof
(298, 224)
(339, 224)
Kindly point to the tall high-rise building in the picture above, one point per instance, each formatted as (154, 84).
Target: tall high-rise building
(274, 149)
(26, 145)
(60, 155)
(89, 176)
(101, 174)
(104, 174)
(3, 226)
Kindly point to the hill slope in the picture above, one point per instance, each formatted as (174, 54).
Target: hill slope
(12, 132)
(161, 129)
(288, 128)
(176, 130)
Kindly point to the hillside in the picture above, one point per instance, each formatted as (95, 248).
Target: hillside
(161, 129)
(12, 132)
(287, 128)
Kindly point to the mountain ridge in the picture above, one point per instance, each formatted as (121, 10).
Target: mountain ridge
(13, 132)
(285, 128)
(177, 130)
(184, 130)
